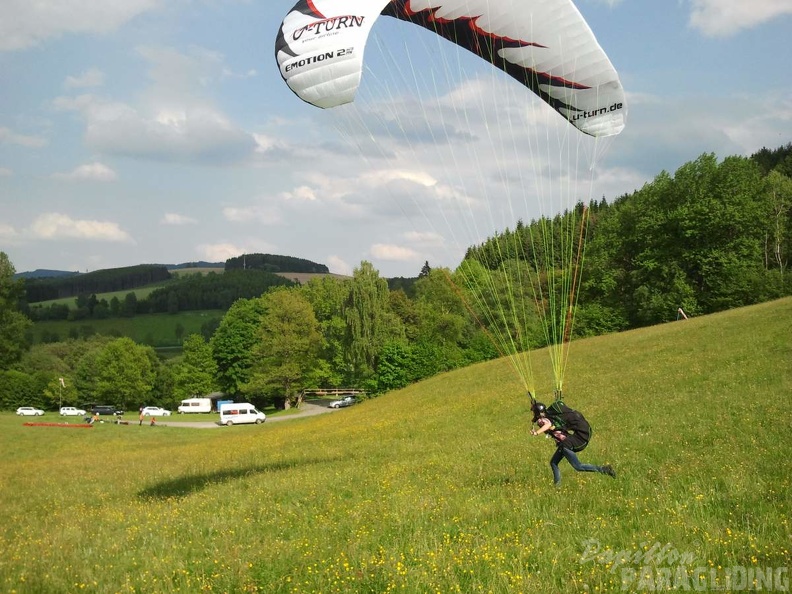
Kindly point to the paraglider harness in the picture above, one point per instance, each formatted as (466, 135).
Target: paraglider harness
(572, 430)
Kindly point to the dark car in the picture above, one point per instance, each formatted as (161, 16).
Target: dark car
(106, 409)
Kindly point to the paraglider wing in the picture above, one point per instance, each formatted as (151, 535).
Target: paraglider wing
(544, 44)
(320, 46)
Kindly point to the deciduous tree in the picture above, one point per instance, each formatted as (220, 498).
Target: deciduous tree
(327, 296)
(195, 374)
(369, 322)
(121, 373)
(288, 348)
(233, 342)
(13, 324)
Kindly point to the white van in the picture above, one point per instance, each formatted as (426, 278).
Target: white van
(195, 405)
(237, 413)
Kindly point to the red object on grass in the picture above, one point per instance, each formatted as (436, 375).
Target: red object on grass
(78, 425)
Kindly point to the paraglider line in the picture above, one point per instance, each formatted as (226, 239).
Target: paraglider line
(575, 275)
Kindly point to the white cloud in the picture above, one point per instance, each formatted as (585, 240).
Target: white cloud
(86, 103)
(180, 75)
(219, 252)
(27, 23)
(172, 218)
(90, 78)
(55, 226)
(424, 238)
(6, 172)
(263, 143)
(420, 178)
(202, 135)
(301, 193)
(190, 134)
(338, 265)
(10, 137)
(383, 251)
(765, 118)
(90, 172)
(257, 213)
(173, 119)
(682, 128)
(721, 18)
(612, 182)
(7, 232)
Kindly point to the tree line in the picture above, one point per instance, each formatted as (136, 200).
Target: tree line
(274, 263)
(710, 237)
(131, 277)
(329, 332)
(99, 281)
(714, 235)
(183, 293)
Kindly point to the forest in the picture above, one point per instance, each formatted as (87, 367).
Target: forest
(190, 292)
(99, 281)
(274, 263)
(713, 235)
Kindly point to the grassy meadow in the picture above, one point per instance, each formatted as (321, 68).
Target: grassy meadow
(140, 293)
(438, 487)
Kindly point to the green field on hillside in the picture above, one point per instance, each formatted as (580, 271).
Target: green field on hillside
(140, 292)
(197, 270)
(158, 330)
(438, 487)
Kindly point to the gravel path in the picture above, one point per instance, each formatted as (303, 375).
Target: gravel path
(308, 409)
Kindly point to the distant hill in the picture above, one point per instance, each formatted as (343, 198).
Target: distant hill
(275, 263)
(48, 285)
(45, 273)
(200, 264)
(295, 269)
(98, 281)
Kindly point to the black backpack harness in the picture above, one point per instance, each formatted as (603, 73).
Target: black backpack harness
(575, 429)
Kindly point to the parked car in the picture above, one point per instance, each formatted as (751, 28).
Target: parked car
(345, 401)
(29, 411)
(105, 409)
(155, 411)
(70, 411)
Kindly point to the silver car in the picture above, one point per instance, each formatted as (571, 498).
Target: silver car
(29, 411)
(70, 411)
(155, 411)
(345, 401)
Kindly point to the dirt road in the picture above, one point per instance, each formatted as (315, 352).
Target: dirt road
(308, 409)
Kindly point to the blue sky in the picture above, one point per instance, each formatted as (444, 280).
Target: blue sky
(153, 131)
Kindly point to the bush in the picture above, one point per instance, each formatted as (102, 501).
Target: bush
(19, 389)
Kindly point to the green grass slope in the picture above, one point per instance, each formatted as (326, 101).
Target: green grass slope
(438, 487)
(140, 293)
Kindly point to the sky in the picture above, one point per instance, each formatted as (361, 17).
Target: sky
(160, 131)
